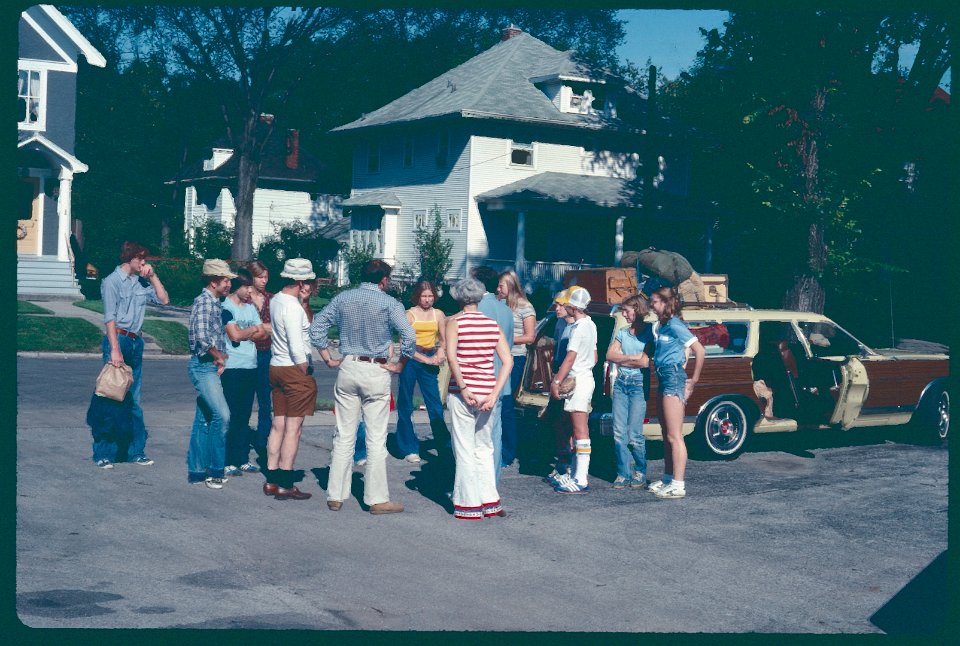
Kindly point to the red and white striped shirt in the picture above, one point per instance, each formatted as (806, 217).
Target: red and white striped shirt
(477, 337)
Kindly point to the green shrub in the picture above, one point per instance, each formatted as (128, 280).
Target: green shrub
(180, 277)
(295, 240)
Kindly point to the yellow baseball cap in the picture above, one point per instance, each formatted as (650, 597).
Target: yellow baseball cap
(563, 296)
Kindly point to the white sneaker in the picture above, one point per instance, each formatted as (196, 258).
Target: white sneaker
(360, 463)
(215, 483)
(413, 458)
(654, 487)
(671, 492)
(621, 483)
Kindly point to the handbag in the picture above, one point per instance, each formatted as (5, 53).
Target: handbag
(113, 382)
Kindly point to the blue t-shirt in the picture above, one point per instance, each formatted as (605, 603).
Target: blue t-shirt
(632, 345)
(241, 354)
(672, 341)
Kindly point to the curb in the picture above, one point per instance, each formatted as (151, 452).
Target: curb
(91, 355)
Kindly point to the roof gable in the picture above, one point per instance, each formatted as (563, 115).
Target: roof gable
(497, 82)
(61, 36)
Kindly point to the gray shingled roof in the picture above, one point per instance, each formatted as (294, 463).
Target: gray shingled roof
(495, 83)
(373, 198)
(562, 187)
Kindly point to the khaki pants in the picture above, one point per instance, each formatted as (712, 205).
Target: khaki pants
(362, 390)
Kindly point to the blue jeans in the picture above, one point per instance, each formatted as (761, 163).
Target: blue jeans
(239, 385)
(132, 351)
(629, 410)
(264, 403)
(425, 375)
(360, 446)
(508, 414)
(205, 457)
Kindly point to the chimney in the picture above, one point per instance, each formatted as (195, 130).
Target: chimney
(510, 32)
(293, 149)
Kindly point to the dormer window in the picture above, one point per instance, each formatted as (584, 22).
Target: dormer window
(521, 154)
(31, 103)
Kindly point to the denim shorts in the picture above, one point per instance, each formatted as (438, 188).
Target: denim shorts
(672, 380)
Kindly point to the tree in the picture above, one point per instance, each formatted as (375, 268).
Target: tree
(796, 160)
(356, 257)
(252, 55)
(434, 250)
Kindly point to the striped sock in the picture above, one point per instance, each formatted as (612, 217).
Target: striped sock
(583, 461)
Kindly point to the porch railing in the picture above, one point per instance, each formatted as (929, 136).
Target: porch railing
(536, 274)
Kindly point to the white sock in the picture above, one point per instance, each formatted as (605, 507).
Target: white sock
(583, 461)
(678, 484)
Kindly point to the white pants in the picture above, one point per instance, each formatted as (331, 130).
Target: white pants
(474, 487)
(361, 389)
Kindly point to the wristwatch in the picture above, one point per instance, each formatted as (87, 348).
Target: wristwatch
(556, 381)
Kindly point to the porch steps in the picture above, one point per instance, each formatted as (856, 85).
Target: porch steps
(45, 277)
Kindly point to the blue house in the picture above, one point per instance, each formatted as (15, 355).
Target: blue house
(50, 48)
(526, 155)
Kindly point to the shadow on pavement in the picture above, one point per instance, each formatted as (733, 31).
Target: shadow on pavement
(434, 479)
(920, 606)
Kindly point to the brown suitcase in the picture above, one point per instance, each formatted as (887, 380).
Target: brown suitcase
(605, 284)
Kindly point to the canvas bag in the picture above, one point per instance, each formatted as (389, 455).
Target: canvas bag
(113, 383)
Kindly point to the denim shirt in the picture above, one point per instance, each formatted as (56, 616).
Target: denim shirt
(125, 299)
(672, 341)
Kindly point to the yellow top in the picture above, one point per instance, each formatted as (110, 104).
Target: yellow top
(428, 332)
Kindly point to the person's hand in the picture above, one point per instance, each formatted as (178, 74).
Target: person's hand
(334, 363)
(220, 361)
(146, 270)
(468, 397)
(554, 390)
(392, 366)
(116, 357)
(486, 404)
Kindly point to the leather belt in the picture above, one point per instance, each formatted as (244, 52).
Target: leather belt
(370, 359)
(132, 335)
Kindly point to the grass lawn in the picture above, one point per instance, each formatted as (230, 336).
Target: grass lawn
(26, 307)
(169, 335)
(55, 334)
(93, 306)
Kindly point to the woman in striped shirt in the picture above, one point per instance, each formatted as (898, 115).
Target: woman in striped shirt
(472, 339)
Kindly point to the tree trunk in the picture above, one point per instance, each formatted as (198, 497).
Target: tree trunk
(165, 235)
(247, 176)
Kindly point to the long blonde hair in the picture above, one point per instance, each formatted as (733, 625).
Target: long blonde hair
(515, 296)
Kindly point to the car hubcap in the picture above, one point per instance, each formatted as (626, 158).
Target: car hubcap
(725, 428)
(943, 415)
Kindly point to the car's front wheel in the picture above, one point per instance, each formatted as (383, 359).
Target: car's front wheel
(722, 430)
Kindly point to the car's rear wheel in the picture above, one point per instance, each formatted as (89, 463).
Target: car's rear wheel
(722, 430)
(935, 418)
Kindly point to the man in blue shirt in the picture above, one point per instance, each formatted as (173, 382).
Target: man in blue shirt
(125, 295)
(496, 309)
(366, 318)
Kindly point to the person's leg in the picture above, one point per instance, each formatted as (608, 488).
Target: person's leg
(430, 390)
(375, 403)
(483, 456)
(264, 400)
(496, 436)
(581, 441)
(248, 388)
(673, 433)
(236, 440)
(133, 356)
(508, 422)
(636, 442)
(197, 458)
(621, 421)
(290, 444)
(407, 441)
(360, 445)
(102, 430)
(211, 392)
(347, 402)
(467, 503)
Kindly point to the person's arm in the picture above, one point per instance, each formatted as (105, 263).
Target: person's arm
(235, 334)
(506, 359)
(441, 355)
(320, 326)
(562, 373)
(408, 339)
(697, 348)
(293, 322)
(529, 334)
(110, 295)
(453, 328)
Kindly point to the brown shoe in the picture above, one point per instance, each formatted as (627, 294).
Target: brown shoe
(386, 508)
(270, 488)
(334, 505)
(291, 494)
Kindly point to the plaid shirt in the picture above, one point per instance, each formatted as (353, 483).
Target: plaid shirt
(366, 318)
(205, 330)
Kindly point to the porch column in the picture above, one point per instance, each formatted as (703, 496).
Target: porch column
(618, 241)
(63, 213)
(521, 262)
(388, 232)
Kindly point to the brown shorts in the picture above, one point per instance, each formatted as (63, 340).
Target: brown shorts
(294, 393)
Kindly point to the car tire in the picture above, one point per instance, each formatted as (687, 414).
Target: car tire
(722, 430)
(934, 418)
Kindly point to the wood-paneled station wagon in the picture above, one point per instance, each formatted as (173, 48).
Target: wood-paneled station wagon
(820, 376)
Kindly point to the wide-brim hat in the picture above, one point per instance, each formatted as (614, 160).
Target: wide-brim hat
(217, 267)
(298, 269)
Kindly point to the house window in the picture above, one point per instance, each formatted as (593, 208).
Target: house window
(443, 149)
(521, 154)
(408, 151)
(30, 99)
(373, 157)
(420, 219)
(453, 219)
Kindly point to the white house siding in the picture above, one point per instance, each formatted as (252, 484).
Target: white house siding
(419, 188)
(270, 207)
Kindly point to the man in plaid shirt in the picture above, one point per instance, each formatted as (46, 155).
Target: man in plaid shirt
(208, 354)
(366, 318)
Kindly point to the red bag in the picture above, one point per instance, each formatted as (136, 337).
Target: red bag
(716, 334)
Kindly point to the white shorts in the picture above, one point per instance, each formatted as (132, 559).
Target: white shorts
(582, 394)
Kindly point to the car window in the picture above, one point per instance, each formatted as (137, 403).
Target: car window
(826, 339)
(721, 338)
